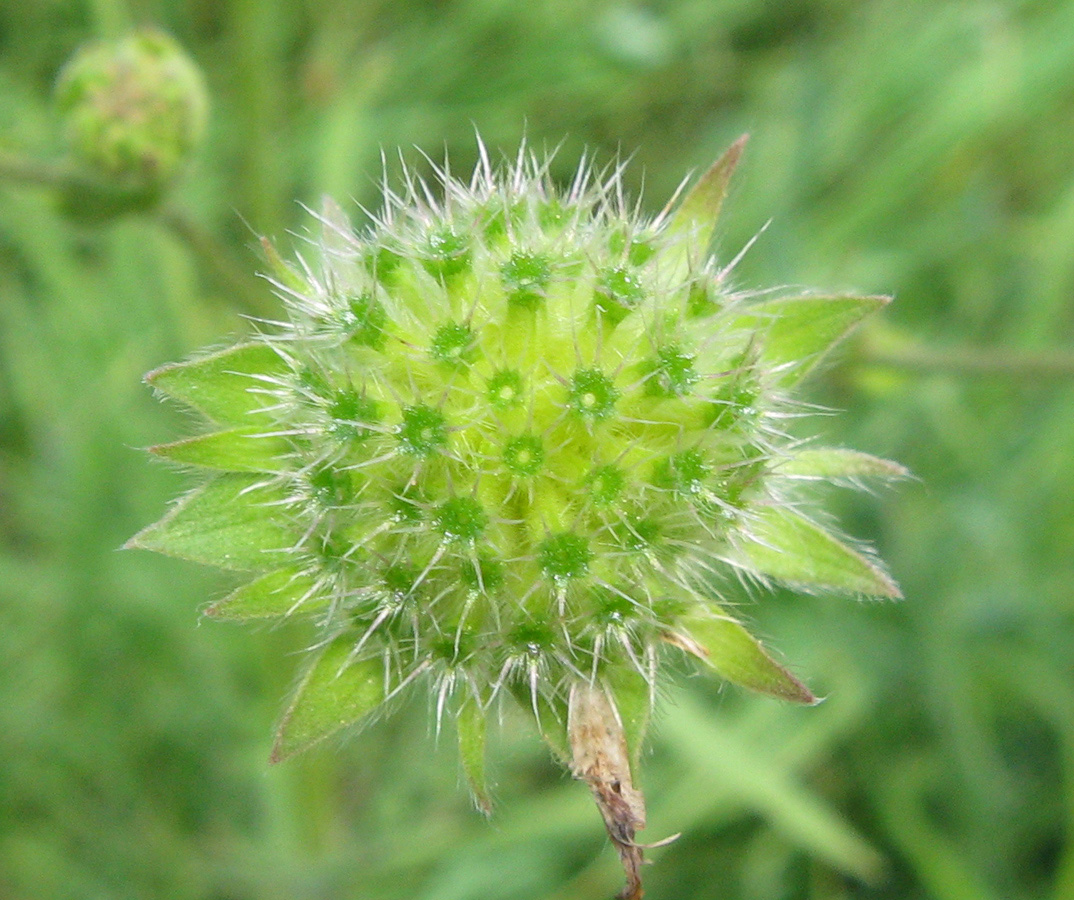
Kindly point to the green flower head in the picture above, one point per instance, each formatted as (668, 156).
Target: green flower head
(517, 441)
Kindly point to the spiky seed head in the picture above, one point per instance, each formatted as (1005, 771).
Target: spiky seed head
(514, 438)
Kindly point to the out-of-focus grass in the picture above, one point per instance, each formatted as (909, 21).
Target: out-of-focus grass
(912, 147)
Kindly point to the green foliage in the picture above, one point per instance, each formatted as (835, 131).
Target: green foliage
(736, 655)
(233, 521)
(799, 331)
(797, 551)
(335, 692)
(912, 149)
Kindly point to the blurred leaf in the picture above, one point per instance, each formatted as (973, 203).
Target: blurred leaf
(226, 386)
(733, 653)
(334, 693)
(799, 331)
(233, 522)
(749, 772)
(247, 449)
(794, 550)
(287, 278)
(831, 462)
(271, 596)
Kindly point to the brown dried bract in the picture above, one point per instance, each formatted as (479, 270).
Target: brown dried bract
(600, 758)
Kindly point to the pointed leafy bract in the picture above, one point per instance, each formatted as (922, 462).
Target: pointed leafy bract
(272, 596)
(285, 276)
(633, 697)
(832, 462)
(798, 331)
(334, 693)
(550, 717)
(472, 726)
(695, 218)
(233, 521)
(247, 449)
(734, 654)
(790, 548)
(226, 386)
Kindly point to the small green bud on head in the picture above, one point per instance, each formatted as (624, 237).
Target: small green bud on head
(505, 389)
(604, 484)
(524, 455)
(423, 431)
(453, 343)
(564, 555)
(618, 291)
(525, 278)
(592, 394)
(461, 519)
(447, 253)
(364, 321)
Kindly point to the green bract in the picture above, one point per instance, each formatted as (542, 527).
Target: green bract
(516, 441)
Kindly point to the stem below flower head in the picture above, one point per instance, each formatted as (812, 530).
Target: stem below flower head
(601, 759)
(33, 171)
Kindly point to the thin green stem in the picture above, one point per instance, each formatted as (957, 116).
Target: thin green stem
(239, 284)
(33, 171)
(236, 281)
(966, 361)
(111, 18)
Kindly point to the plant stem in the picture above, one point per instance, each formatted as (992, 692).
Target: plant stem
(238, 283)
(967, 361)
(33, 171)
(600, 758)
(111, 18)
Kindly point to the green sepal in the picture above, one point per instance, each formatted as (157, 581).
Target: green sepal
(225, 386)
(247, 449)
(285, 276)
(835, 463)
(734, 654)
(696, 216)
(550, 717)
(272, 596)
(633, 698)
(794, 550)
(333, 694)
(471, 723)
(798, 331)
(233, 521)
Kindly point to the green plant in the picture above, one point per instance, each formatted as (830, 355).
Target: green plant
(516, 441)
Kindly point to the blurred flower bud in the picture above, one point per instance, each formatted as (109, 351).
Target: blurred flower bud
(134, 113)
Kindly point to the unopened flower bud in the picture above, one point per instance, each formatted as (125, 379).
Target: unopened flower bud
(134, 112)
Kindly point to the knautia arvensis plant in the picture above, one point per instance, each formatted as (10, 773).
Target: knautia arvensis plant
(517, 441)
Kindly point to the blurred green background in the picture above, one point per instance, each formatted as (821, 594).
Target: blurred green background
(916, 147)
